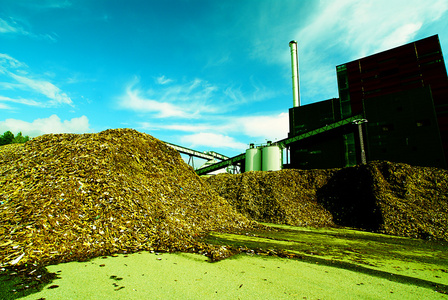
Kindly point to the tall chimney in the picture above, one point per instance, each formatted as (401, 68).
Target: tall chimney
(295, 74)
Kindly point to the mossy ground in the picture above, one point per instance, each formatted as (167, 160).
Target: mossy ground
(406, 260)
(329, 263)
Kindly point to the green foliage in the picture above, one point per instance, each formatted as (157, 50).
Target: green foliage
(8, 138)
(19, 138)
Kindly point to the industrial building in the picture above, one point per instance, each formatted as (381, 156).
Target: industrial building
(392, 106)
(401, 95)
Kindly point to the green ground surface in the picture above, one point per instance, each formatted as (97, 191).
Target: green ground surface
(330, 264)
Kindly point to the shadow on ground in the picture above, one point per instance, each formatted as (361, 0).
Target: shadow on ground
(404, 260)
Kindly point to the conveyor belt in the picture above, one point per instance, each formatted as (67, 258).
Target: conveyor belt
(205, 155)
(222, 164)
(282, 143)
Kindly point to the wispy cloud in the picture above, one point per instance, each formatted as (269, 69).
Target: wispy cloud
(163, 80)
(20, 101)
(52, 124)
(180, 127)
(255, 92)
(197, 113)
(237, 131)
(212, 139)
(45, 88)
(365, 27)
(13, 26)
(135, 101)
(187, 100)
(5, 106)
(7, 62)
(330, 33)
(48, 4)
(10, 27)
(267, 126)
(10, 66)
(218, 61)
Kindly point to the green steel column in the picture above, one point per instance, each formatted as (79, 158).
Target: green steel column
(361, 139)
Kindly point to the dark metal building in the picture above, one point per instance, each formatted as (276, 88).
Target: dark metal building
(402, 93)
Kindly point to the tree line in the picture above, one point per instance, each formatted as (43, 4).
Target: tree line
(9, 138)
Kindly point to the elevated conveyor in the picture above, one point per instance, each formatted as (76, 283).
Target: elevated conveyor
(209, 155)
(282, 143)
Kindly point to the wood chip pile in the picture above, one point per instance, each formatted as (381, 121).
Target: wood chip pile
(68, 197)
(385, 197)
(391, 198)
(283, 197)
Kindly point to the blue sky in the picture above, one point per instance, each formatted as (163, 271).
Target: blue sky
(209, 75)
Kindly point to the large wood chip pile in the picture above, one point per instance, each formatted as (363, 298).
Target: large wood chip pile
(69, 197)
(283, 197)
(415, 203)
(391, 198)
(385, 197)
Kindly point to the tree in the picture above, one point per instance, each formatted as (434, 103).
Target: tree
(6, 138)
(19, 138)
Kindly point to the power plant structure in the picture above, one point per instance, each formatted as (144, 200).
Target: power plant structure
(392, 106)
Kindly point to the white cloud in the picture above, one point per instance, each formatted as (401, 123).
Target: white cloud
(133, 100)
(9, 85)
(7, 27)
(163, 80)
(209, 125)
(10, 66)
(46, 4)
(401, 35)
(212, 140)
(7, 62)
(20, 101)
(45, 88)
(227, 132)
(257, 93)
(273, 127)
(13, 27)
(362, 26)
(52, 124)
(270, 127)
(187, 100)
(175, 127)
(343, 30)
(5, 106)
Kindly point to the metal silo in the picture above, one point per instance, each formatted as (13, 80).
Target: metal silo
(253, 159)
(272, 158)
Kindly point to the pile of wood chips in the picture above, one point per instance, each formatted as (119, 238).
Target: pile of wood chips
(385, 197)
(69, 197)
(391, 198)
(282, 197)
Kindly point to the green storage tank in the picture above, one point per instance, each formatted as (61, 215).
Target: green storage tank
(253, 159)
(271, 158)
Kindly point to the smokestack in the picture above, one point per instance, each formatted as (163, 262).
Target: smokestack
(295, 74)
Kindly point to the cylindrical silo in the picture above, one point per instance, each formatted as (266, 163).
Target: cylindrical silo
(253, 159)
(271, 158)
